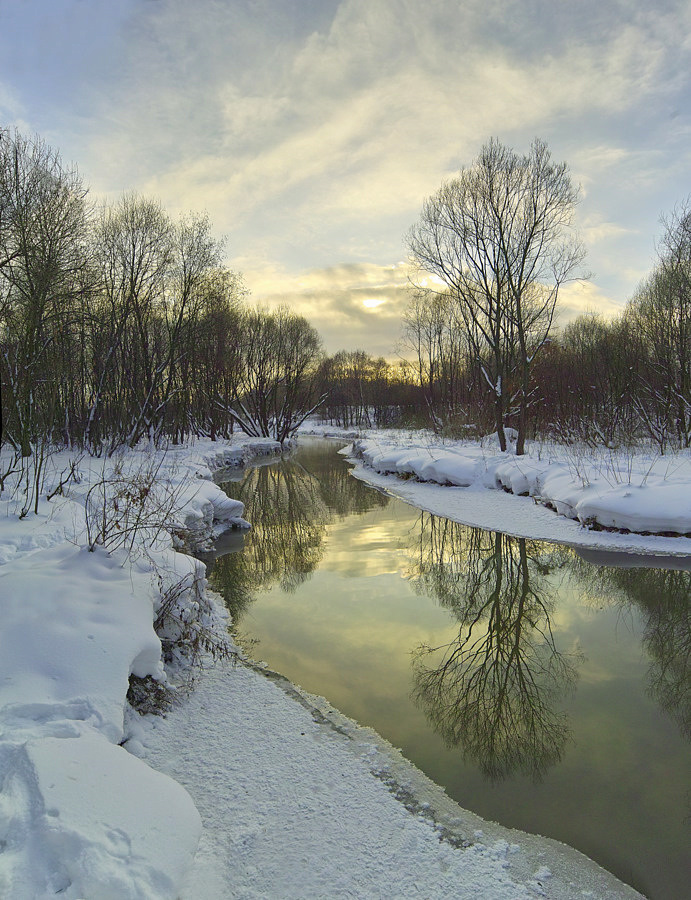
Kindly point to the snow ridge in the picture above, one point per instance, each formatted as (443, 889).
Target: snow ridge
(637, 494)
(80, 816)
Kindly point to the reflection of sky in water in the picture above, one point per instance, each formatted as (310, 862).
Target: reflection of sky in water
(377, 547)
(350, 629)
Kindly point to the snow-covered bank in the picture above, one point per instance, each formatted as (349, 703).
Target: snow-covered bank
(628, 503)
(79, 815)
(299, 802)
(290, 805)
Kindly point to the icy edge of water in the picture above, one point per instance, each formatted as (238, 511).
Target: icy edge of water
(480, 507)
(565, 869)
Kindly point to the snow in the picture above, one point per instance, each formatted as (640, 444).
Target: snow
(625, 502)
(79, 815)
(249, 788)
(298, 801)
(100, 823)
(66, 604)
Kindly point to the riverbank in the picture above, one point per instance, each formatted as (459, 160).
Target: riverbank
(84, 577)
(297, 801)
(621, 502)
(286, 797)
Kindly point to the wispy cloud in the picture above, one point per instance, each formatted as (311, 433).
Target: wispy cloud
(311, 130)
(584, 297)
(358, 121)
(356, 305)
(11, 109)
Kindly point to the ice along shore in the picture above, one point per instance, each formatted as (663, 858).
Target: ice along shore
(240, 791)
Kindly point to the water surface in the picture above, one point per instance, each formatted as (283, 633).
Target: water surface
(543, 690)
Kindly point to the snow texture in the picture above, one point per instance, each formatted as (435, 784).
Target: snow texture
(80, 817)
(299, 802)
(623, 502)
(282, 798)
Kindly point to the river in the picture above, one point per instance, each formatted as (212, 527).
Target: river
(541, 689)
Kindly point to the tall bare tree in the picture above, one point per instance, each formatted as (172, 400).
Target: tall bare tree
(281, 353)
(430, 330)
(499, 236)
(43, 270)
(660, 314)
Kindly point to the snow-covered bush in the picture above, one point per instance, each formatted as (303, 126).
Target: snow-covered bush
(129, 505)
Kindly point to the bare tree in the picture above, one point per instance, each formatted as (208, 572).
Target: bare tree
(128, 326)
(280, 356)
(211, 374)
(660, 314)
(499, 236)
(43, 270)
(357, 387)
(135, 242)
(196, 255)
(441, 351)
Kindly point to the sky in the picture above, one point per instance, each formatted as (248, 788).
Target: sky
(311, 131)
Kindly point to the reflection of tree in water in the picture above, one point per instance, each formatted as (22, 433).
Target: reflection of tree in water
(284, 545)
(492, 690)
(289, 505)
(343, 494)
(664, 595)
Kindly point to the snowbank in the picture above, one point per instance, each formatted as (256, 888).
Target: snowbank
(300, 802)
(80, 816)
(204, 511)
(637, 494)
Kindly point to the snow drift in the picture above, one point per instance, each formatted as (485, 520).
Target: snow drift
(80, 816)
(624, 492)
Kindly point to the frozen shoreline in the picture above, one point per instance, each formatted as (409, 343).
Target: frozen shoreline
(327, 807)
(521, 517)
(540, 496)
(82, 817)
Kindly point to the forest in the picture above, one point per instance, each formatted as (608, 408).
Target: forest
(119, 324)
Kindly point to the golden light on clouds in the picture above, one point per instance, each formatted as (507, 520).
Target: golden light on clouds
(312, 132)
(352, 305)
(361, 305)
(584, 297)
(373, 302)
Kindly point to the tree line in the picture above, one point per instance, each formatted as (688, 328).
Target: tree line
(118, 324)
(595, 381)
(480, 349)
(500, 240)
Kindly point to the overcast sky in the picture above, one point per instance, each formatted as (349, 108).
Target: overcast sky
(312, 130)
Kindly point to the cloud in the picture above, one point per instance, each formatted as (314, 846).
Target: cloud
(312, 130)
(584, 297)
(361, 305)
(375, 97)
(11, 109)
(596, 232)
(351, 305)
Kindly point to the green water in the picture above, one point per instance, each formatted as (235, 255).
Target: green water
(541, 690)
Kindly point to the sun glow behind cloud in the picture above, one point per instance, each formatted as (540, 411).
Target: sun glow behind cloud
(373, 302)
(353, 306)
(361, 306)
(312, 130)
